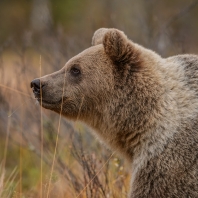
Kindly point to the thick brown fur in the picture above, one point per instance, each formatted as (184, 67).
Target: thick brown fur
(141, 105)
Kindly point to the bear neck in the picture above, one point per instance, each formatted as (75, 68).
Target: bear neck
(131, 115)
(136, 121)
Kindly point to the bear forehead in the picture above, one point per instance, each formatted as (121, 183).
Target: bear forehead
(90, 53)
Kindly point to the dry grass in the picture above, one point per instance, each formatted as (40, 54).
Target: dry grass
(44, 155)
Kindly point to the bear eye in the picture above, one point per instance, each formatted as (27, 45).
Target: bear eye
(75, 71)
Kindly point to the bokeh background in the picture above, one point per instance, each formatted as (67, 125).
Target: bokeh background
(41, 154)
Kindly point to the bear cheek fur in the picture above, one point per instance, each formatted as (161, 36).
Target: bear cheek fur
(92, 92)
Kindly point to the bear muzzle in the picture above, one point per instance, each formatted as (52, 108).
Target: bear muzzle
(40, 94)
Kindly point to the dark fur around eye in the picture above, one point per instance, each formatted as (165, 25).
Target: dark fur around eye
(75, 71)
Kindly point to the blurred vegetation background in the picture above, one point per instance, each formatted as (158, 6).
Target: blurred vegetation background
(37, 37)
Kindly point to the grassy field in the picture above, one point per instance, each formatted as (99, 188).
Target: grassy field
(39, 158)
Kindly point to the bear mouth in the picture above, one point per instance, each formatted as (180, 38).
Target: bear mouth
(42, 100)
(48, 102)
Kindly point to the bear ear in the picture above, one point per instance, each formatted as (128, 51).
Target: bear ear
(117, 46)
(99, 35)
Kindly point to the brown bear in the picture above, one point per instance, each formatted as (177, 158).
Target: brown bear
(142, 105)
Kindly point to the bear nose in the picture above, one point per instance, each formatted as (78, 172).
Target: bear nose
(36, 86)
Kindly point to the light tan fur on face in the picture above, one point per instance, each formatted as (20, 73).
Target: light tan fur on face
(141, 105)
